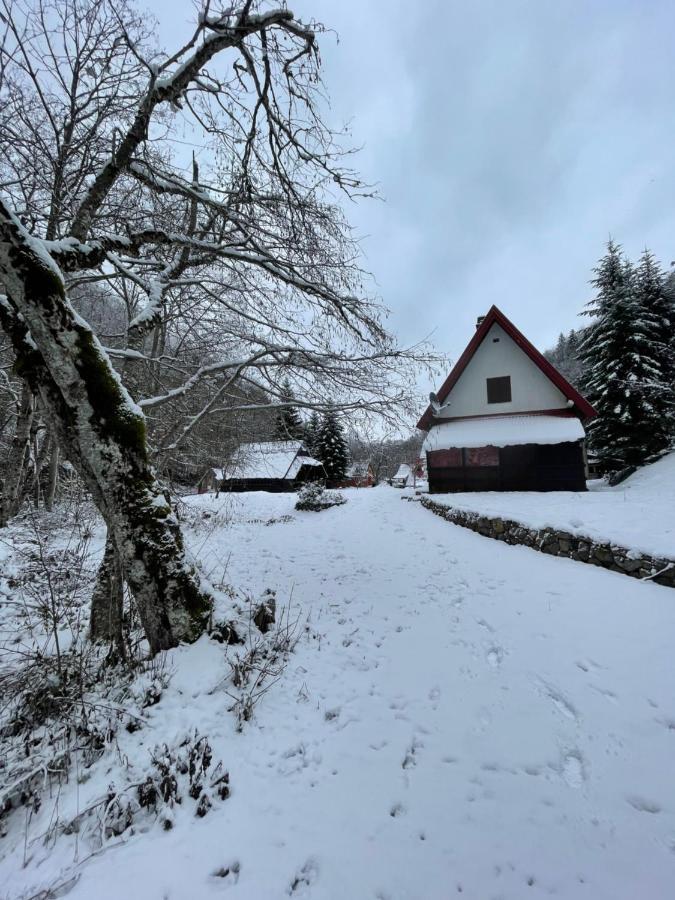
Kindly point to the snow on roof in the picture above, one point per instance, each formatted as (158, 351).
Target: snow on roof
(504, 431)
(358, 470)
(299, 462)
(218, 473)
(269, 459)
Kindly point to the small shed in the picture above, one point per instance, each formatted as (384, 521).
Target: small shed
(403, 473)
(211, 480)
(274, 466)
(359, 475)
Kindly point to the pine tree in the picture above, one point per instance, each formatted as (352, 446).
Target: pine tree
(289, 426)
(331, 447)
(565, 356)
(312, 432)
(620, 373)
(654, 297)
(572, 343)
(573, 369)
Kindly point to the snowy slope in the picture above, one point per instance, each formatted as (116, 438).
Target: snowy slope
(463, 717)
(638, 514)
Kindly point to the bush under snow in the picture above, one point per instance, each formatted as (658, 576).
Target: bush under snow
(314, 497)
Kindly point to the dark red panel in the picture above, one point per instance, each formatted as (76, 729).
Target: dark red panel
(444, 459)
(482, 456)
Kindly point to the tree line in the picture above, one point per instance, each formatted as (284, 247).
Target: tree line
(624, 361)
(323, 435)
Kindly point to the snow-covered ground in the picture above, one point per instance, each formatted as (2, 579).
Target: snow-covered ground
(462, 718)
(638, 514)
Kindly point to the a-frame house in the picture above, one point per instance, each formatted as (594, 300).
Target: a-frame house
(505, 419)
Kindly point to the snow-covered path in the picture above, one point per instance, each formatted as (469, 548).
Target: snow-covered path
(472, 719)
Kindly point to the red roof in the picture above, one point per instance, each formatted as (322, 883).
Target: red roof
(583, 408)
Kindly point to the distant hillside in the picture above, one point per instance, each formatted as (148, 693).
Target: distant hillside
(565, 358)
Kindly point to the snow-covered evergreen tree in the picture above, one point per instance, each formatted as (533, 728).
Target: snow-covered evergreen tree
(331, 447)
(289, 426)
(622, 377)
(655, 298)
(312, 432)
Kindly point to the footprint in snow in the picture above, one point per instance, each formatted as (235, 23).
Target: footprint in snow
(434, 696)
(297, 758)
(559, 701)
(643, 805)
(587, 665)
(573, 770)
(563, 705)
(494, 656)
(668, 724)
(229, 873)
(304, 878)
(410, 758)
(608, 695)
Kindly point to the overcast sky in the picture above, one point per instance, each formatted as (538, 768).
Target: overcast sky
(508, 138)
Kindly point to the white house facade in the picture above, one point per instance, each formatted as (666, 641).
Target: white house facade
(505, 418)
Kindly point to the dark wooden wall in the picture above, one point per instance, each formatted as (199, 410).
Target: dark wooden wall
(274, 485)
(529, 467)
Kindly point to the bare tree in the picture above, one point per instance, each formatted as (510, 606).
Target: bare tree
(250, 248)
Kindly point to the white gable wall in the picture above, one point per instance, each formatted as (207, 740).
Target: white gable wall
(530, 388)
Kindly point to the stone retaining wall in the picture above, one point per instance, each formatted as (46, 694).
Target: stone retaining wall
(561, 543)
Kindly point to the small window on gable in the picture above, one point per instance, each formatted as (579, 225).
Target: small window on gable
(499, 389)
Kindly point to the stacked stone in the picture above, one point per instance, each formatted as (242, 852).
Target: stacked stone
(562, 543)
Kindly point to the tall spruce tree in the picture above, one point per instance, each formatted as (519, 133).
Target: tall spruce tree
(620, 373)
(658, 302)
(331, 447)
(312, 432)
(289, 425)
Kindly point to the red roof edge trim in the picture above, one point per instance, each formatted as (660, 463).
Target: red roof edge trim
(496, 316)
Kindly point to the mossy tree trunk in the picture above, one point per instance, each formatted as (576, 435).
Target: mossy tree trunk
(94, 418)
(17, 462)
(107, 601)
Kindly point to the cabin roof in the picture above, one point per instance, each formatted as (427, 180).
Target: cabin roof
(583, 408)
(269, 459)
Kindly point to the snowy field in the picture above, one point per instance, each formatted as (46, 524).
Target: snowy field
(638, 514)
(462, 718)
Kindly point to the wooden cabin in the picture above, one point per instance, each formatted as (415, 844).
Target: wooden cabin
(358, 475)
(505, 419)
(274, 466)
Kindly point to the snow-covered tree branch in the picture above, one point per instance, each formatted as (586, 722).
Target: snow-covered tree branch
(213, 288)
